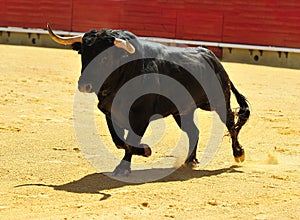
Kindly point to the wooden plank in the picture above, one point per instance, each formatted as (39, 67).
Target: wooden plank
(264, 23)
(3, 20)
(200, 26)
(36, 14)
(102, 14)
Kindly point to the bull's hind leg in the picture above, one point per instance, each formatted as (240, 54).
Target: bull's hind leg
(186, 123)
(238, 151)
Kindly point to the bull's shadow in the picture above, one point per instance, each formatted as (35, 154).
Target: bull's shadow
(97, 182)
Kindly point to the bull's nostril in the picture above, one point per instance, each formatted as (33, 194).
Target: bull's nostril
(80, 88)
(85, 88)
(88, 87)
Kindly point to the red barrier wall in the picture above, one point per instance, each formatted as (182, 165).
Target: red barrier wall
(260, 22)
(36, 14)
(265, 22)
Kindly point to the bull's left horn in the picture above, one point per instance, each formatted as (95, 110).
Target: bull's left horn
(124, 44)
(63, 40)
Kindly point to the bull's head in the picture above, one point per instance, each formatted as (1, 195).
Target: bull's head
(89, 46)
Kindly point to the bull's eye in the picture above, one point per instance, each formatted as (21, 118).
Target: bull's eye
(104, 92)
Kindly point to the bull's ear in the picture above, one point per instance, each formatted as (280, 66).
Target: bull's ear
(77, 46)
(125, 45)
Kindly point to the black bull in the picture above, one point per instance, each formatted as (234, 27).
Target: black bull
(112, 59)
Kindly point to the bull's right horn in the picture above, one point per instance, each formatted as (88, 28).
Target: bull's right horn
(125, 45)
(63, 40)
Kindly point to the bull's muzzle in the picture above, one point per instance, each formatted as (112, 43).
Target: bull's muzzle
(86, 88)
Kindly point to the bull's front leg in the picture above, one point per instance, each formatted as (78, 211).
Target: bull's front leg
(124, 168)
(117, 134)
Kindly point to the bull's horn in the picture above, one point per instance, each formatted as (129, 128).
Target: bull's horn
(63, 40)
(124, 44)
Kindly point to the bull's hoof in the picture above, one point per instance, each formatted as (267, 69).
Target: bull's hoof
(147, 150)
(123, 169)
(240, 159)
(191, 164)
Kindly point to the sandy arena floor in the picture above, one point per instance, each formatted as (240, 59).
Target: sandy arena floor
(44, 175)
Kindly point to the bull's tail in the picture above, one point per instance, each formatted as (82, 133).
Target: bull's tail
(244, 112)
